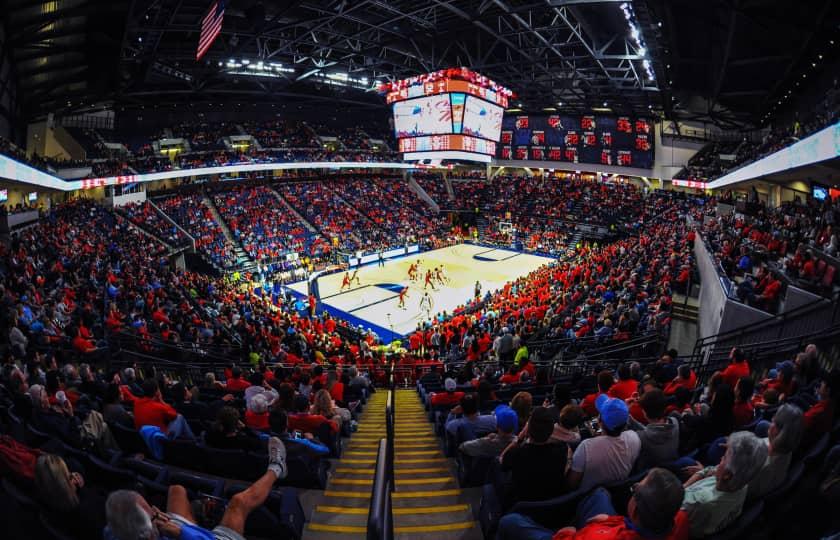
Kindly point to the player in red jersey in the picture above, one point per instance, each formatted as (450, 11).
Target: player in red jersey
(345, 282)
(412, 272)
(403, 294)
(429, 280)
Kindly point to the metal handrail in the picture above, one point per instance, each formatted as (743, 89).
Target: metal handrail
(380, 515)
(779, 320)
(379, 525)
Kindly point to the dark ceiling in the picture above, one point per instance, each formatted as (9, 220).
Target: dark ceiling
(729, 60)
(733, 61)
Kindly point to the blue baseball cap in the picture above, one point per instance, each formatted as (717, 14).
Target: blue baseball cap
(614, 412)
(506, 419)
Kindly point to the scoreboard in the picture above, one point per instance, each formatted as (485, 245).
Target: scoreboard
(449, 114)
(602, 140)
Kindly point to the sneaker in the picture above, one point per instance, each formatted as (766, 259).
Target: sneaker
(277, 458)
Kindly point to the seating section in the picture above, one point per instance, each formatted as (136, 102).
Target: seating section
(789, 245)
(322, 206)
(190, 213)
(265, 227)
(504, 514)
(145, 216)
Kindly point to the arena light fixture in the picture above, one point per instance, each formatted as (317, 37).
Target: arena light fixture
(256, 69)
(636, 34)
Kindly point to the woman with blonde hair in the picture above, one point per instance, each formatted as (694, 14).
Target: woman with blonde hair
(324, 405)
(72, 506)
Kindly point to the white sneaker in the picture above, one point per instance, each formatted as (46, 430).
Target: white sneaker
(277, 458)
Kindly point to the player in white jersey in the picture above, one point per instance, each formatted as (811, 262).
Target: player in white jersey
(426, 304)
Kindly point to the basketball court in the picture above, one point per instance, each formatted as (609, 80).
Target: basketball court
(374, 300)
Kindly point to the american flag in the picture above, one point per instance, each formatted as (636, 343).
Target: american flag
(211, 26)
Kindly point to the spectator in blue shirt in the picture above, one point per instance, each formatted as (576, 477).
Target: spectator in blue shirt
(464, 423)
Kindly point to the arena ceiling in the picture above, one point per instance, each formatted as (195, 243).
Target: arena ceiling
(722, 61)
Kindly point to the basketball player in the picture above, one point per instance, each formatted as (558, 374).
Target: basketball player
(439, 274)
(355, 277)
(403, 294)
(345, 282)
(412, 272)
(477, 289)
(426, 304)
(429, 281)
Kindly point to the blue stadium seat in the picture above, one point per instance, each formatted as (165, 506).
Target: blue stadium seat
(196, 483)
(128, 439)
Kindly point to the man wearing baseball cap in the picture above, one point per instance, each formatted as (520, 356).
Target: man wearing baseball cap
(610, 456)
(507, 423)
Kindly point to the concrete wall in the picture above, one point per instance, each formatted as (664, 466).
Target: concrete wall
(712, 299)
(796, 297)
(672, 154)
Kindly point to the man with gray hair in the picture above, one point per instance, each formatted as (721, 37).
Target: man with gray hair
(130, 517)
(714, 496)
(783, 438)
(653, 511)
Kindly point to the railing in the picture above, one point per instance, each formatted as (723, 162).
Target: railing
(380, 524)
(804, 320)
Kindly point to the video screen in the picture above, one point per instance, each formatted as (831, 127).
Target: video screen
(4, 195)
(430, 115)
(819, 192)
(601, 140)
(482, 119)
(32, 197)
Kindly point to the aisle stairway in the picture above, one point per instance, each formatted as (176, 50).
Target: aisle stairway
(243, 261)
(427, 502)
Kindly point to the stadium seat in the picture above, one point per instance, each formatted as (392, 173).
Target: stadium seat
(740, 526)
(184, 453)
(128, 439)
(197, 484)
(104, 474)
(812, 457)
(52, 529)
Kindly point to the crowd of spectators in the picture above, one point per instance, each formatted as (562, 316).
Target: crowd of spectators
(334, 217)
(764, 251)
(394, 208)
(611, 292)
(264, 227)
(145, 216)
(281, 134)
(689, 460)
(190, 212)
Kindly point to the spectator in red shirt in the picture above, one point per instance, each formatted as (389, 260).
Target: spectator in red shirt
(605, 382)
(236, 383)
(511, 377)
(334, 386)
(743, 409)
(784, 383)
(256, 415)
(653, 511)
(151, 410)
(820, 417)
(450, 398)
(305, 422)
(626, 385)
(737, 368)
(686, 378)
(82, 344)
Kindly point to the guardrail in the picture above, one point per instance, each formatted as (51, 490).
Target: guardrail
(380, 525)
